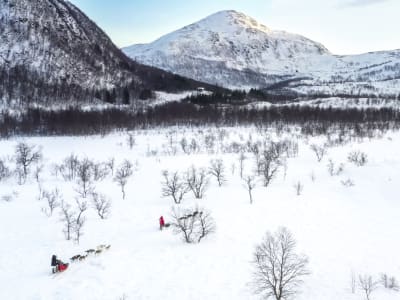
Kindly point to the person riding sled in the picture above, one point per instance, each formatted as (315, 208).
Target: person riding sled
(57, 265)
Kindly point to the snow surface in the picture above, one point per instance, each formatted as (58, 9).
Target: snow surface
(341, 229)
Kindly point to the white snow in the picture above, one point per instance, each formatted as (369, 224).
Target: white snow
(341, 229)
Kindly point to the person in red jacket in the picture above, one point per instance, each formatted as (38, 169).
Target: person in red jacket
(162, 223)
(57, 265)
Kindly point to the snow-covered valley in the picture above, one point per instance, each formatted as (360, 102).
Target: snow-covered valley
(346, 224)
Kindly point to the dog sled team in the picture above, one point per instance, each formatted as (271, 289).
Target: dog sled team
(59, 266)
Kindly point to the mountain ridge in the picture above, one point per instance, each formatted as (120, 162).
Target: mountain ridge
(235, 45)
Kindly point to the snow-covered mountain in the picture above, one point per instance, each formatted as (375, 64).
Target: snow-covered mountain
(50, 50)
(233, 50)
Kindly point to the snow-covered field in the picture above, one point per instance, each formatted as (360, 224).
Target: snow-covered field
(342, 229)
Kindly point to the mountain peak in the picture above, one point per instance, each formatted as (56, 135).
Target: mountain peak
(231, 18)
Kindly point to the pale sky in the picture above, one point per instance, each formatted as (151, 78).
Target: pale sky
(343, 26)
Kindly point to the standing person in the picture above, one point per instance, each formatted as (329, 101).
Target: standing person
(162, 223)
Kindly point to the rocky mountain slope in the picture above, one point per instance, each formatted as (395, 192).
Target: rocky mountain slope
(50, 50)
(233, 50)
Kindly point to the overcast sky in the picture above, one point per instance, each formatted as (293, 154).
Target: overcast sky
(343, 26)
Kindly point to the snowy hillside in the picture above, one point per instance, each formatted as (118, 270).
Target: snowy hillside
(347, 223)
(50, 50)
(231, 49)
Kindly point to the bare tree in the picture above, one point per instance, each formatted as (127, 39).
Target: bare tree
(278, 269)
(131, 140)
(270, 163)
(217, 169)
(80, 220)
(68, 218)
(319, 151)
(111, 165)
(101, 205)
(78, 228)
(4, 170)
(122, 175)
(206, 224)
(25, 156)
(173, 186)
(250, 184)
(100, 171)
(69, 167)
(192, 224)
(37, 172)
(353, 282)
(53, 200)
(367, 285)
(242, 158)
(197, 181)
(84, 175)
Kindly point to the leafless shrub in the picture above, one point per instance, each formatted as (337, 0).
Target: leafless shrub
(4, 170)
(111, 165)
(173, 186)
(100, 171)
(122, 174)
(80, 220)
(335, 170)
(217, 169)
(367, 285)
(38, 172)
(52, 199)
(242, 158)
(348, 182)
(69, 168)
(84, 176)
(278, 269)
(68, 218)
(101, 204)
(25, 156)
(197, 181)
(320, 151)
(353, 282)
(269, 164)
(312, 176)
(298, 188)
(389, 282)
(192, 224)
(131, 140)
(7, 198)
(250, 184)
(358, 158)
